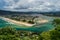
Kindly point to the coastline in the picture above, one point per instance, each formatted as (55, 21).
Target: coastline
(23, 23)
(18, 22)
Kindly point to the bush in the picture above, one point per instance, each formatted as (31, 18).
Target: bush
(31, 22)
(57, 21)
(24, 20)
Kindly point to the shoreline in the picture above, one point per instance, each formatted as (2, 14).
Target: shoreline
(23, 23)
(17, 22)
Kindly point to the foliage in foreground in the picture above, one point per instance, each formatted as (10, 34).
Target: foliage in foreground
(54, 34)
(8, 34)
(12, 34)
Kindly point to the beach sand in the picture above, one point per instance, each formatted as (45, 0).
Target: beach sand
(43, 21)
(18, 22)
(23, 23)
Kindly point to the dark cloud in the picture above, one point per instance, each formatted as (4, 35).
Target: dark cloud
(34, 5)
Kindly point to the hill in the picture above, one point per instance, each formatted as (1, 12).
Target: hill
(4, 12)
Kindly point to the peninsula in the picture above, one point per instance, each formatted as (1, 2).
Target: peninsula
(24, 23)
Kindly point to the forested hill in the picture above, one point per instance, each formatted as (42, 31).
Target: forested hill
(52, 13)
(3, 12)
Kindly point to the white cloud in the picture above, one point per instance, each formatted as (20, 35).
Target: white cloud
(39, 5)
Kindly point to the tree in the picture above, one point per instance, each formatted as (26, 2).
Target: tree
(56, 21)
(31, 22)
(46, 35)
(24, 20)
(8, 33)
(34, 18)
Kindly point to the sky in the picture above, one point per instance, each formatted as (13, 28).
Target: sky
(30, 5)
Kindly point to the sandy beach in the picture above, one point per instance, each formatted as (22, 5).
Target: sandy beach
(18, 22)
(43, 21)
(23, 23)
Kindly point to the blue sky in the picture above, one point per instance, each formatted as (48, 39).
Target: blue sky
(30, 5)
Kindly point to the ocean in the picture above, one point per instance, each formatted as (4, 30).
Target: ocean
(40, 28)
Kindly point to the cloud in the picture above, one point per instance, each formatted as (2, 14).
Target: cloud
(32, 5)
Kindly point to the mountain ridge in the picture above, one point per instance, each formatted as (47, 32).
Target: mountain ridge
(5, 12)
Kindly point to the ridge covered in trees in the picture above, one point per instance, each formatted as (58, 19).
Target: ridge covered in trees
(5, 12)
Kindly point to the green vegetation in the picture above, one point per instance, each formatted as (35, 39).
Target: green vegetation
(31, 22)
(12, 34)
(57, 21)
(24, 20)
(54, 34)
(9, 33)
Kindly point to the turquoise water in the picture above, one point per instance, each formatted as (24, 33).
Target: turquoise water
(40, 28)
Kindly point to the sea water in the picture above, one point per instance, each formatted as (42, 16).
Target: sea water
(39, 28)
